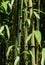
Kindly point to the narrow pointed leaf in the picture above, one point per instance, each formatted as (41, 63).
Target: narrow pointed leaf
(1, 29)
(4, 4)
(1, 34)
(28, 38)
(12, 2)
(37, 16)
(26, 52)
(16, 60)
(38, 36)
(31, 53)
(9, 48)
(28, 20)
(8, 32)
(40, 11)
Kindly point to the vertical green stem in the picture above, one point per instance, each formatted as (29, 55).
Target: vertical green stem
(20, 25)
(14, 33)
(25, 46)
(33, 45)
(32, 40)
(25, 32)
(38, 24)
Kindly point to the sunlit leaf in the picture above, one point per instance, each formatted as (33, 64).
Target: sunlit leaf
(28, 20)
(31, 53)
(28, 38)
(37, 15)
(1, 34)
(11, 4)
(16, 60)
(1, 29)
(8, 32)
(38, 36)
(26, 52)
(39, 11)
(4, 4)
(8, 51)
(43, 56)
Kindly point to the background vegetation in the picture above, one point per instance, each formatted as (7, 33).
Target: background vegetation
(22, 32)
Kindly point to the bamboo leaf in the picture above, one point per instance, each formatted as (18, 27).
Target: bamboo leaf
(4, 4)
(12, 2)
(1, 34)
(38, 36)
(31, 53)
(28, 38)
(40, 11)
(43, 56)
(8, 32)
(26, 52)
(37, 16)
(28, 20)
(16, 60)
(9, 48)
(1, 29)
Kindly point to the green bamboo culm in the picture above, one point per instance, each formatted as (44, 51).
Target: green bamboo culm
(14, 30)
(20, 25)
(25, 32)
(38, 26)
(32, 39)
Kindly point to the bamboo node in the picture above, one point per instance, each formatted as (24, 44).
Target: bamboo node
(20, 17)
(19, 30)
(30, 7)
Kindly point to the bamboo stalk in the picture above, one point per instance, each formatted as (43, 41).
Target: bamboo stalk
(25, 32)
(25, 45)
(38, 24)
(14, 31)
(33, 44)
(20, 25)
(20, 21)
(32, 40)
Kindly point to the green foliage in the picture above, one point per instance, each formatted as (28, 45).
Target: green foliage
(4, 4)
(28, 22)
(9, 49)
(9, 20)
(16, 60)
(38, 36)
(40, 11)
(26, 52)
(28, 38)
(11, 4)
(1, 34)
(8, 32)
(1, 29)
(29, 52)
(37, 16)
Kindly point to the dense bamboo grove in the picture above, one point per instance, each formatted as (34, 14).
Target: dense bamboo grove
(22, 32)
